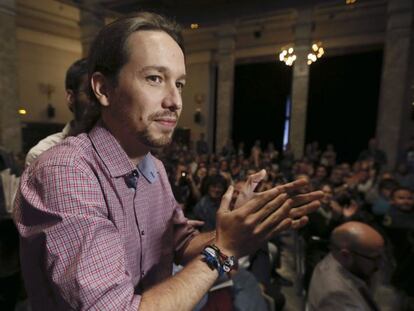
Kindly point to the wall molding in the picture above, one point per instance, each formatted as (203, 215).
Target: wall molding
(48, 40)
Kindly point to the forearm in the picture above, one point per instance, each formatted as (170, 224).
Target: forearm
(197, 244)
(182, 291)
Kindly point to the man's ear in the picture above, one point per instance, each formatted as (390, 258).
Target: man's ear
(70, 99)
(101, 86)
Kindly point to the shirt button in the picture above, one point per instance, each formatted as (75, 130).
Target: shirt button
(142, 273)
(135, 173)
(142, 232)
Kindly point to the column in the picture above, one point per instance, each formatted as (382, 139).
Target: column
(225, 57)
(395, 78)
(300, 83)
(91, 22)
(10, 129)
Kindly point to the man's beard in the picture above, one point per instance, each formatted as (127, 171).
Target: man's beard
(154, 143)
(145, 135)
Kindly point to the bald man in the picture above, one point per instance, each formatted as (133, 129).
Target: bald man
(340, 280)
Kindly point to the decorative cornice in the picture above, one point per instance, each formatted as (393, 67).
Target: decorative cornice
(49, 40)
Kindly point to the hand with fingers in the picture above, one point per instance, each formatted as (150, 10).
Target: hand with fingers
(257, 217)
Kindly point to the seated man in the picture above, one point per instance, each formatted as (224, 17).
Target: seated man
(340, 280)
(401, 213)
(99, 226)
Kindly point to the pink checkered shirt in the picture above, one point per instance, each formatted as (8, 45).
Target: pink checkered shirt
(95, 230)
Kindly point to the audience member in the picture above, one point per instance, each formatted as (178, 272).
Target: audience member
(241, 152)
(78, 103)
(399, 226)
(341, 280)
(401, 213)
(373, 153)
(256, 153)
(381, 204)
(208, 205)
(328, 157)
(320, 176)
(286, 161)
(336, 178)
(202, 145)
(404, 177)
(228, 149)
(312, 153)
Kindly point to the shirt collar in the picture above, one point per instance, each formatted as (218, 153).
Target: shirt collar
(110, 151)
(115, 158)
(66, 129)
(147, 168)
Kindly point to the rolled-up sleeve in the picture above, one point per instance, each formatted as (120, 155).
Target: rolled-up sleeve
(71, 253)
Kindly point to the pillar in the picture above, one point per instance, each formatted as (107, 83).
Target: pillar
(10, 128)
(300, 83)
(394, 81)
(225, 83)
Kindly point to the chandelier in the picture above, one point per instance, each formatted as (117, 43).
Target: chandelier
(316, 53)
(288, 55)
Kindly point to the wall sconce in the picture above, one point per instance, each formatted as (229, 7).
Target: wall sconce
(198, 117)
(22, 111)
(51, 111)
(199, 98)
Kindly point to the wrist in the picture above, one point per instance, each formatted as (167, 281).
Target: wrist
(214, 257)
(225, 250)
(228, 262)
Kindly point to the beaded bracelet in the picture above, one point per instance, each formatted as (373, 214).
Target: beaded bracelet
(215, 259)
(211, 259)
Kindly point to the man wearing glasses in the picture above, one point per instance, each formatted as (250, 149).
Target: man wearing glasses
(341, 280)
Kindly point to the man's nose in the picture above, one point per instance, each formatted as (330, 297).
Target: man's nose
(172, 99)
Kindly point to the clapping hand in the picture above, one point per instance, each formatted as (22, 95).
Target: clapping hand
(257, 217)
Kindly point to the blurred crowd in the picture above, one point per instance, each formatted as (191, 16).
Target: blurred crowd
(366, 191)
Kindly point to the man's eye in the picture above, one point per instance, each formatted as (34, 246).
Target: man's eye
(179, 85)
(155, 79)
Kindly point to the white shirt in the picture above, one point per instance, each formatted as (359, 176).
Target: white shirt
(46, 144)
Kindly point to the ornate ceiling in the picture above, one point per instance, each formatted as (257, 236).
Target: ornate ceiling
(203, 12)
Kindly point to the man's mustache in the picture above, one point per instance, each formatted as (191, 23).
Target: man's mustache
(163, 114)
